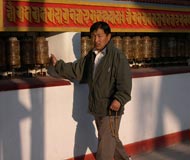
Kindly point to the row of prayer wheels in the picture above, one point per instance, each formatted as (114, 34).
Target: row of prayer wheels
(146, 48)
(138, 48)
(26, 52)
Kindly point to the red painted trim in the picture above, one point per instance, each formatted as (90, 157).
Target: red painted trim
(26, 83)
(159, 71)
(148, 145)
(173, 2)
(38, 82)
(157, 142)
(59, 16)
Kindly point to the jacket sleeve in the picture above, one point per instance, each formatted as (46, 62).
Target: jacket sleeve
(70, 70)
(123, 81)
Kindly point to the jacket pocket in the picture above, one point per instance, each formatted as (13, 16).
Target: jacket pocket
(102, 106)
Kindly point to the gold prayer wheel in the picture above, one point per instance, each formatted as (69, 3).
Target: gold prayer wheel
(180, 47)
(27, 51)
(168, 47)
(164, 47)
(3, 63)
(137, 47)
(155, 47)
(86, 45)
(128, 47)
(42, 57)
(117, 41)
(172, 47)
(13, 53)
(187, 47)
(147, 47)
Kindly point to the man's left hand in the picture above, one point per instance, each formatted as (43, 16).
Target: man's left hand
(115, 105)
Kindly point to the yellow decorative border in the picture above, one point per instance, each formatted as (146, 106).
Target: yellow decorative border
(73, 29)
(1, 14)
(85, 29)
(111, 4)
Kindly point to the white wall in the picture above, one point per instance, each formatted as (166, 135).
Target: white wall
(53, 124)
(65, 46)
(160, 105)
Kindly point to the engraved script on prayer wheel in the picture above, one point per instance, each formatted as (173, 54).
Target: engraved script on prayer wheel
(86, 45)
(137, 47)
(2, 55)
(172, 47)
(13, 53)
(27, 52)
(42, 57)
(168, 47)
(117, 41)
(155, 47)
(147, 47)
(187, 47)
(164, 47)
(128, 47)
(180, 47)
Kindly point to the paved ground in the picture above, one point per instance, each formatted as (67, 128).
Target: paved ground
(175, 152)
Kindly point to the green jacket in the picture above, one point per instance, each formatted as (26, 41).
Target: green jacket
(112, 79)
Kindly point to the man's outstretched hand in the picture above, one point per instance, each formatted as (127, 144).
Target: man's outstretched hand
(53, 60)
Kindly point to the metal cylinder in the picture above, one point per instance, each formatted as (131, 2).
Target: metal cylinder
(117, 41)
(128, 47)
(180, 47)
(137, 47)
(164, 47)
(172, 47)
(155, 47)
(13, 53)
(86, 45)
(147, 47)
(27, 51)
(187, 46)
(3, 63)
(168, 47)
(42, 57)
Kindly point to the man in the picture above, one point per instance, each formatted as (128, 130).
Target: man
(107, 72)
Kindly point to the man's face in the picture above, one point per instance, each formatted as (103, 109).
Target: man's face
(100, 39)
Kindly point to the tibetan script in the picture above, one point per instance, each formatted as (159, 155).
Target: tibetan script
(35, 14)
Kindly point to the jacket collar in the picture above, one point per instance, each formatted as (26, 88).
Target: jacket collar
(100, 67)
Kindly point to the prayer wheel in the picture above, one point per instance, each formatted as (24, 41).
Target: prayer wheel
(180, 47)
(137, 47)
(3, 63)
(172, 47)
(117, 40)
(164, 47)
(128, 47)
(86, 45)
(13, 53)
(168, 47)
(147, 47)
(27, 52)
(42, 57)
(187, 47)
(155, 47)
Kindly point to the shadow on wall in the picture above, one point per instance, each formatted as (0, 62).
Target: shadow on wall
(85, 137)
(12, 112)
(163, 101)
(173, 104)
(22, 125)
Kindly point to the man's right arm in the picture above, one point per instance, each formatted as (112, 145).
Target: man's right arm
(68, 70)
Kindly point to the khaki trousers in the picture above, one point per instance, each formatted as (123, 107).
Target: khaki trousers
(109, 145)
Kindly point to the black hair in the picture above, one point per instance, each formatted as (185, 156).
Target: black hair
(101, 25)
